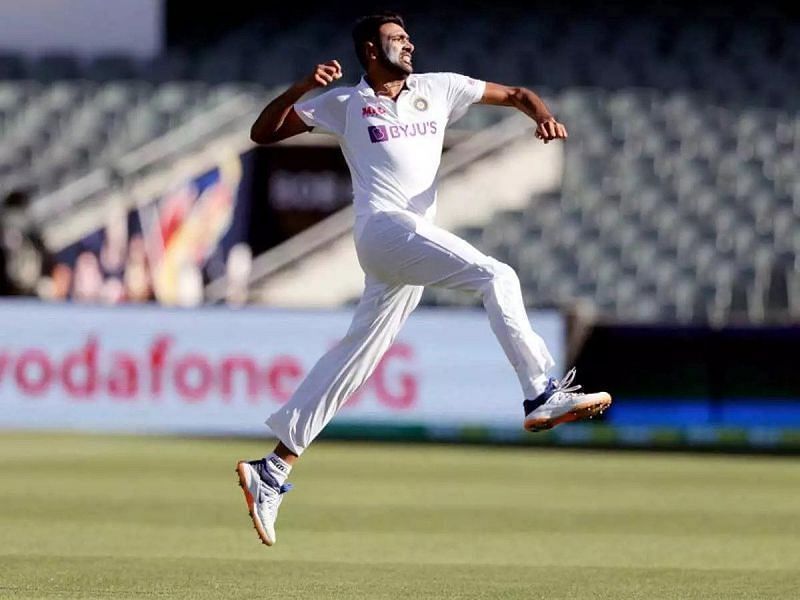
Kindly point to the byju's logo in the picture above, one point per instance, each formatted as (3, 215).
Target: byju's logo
(377, 133)
(383, 133)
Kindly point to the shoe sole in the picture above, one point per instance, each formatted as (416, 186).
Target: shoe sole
(587, 410)
(241, 471)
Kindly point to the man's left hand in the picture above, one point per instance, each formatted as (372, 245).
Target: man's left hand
(550, 129)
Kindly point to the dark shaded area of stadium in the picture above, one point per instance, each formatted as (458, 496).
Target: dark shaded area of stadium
(190, 22)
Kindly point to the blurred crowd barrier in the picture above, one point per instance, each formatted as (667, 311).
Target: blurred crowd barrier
(163, 250)
(166, 249)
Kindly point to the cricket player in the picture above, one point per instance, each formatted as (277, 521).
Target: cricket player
(391, 128)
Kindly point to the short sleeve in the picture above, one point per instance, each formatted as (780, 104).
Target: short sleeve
(325, 113)
(461, 93)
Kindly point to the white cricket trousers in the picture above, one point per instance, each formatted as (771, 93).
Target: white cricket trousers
(401, 253)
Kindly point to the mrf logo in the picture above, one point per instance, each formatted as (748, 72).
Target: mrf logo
(372, 111)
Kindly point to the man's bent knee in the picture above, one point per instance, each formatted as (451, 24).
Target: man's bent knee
(504, 275)
(501, 278)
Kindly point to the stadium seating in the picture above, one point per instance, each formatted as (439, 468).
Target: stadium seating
(113, 102)
(737, 60)
(671, 208)
(680, 198)
(52, 133)
(747, 60)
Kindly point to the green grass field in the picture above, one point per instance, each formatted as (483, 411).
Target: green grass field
(108, 517)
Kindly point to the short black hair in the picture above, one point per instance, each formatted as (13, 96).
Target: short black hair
(366, 30)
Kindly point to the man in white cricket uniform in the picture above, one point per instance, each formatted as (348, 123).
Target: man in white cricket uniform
(391, 129)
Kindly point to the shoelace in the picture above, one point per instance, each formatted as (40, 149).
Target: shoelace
(264, 496)
(267, 483)
(562, 388)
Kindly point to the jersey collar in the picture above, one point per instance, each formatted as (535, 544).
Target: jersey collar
(365, 89)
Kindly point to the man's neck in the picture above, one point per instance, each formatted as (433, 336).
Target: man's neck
(386, 84)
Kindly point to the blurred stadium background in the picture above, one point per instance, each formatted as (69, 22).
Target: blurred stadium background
(165, 276)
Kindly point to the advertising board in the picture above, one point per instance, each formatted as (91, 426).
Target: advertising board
(218, 370)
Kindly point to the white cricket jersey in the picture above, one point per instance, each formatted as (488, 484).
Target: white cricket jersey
(393, 148)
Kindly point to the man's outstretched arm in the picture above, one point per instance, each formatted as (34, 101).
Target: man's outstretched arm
(523, 99)
(278, 120)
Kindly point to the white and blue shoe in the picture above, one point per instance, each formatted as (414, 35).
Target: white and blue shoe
(263, 496)
(560, 403)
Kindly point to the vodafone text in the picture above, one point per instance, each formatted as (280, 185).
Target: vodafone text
(92, 372)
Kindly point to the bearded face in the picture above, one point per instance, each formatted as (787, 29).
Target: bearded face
(396, 49)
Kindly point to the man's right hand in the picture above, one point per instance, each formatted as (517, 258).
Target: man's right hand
(278, 121)
(324, 74)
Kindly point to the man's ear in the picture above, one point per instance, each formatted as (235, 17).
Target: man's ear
(372, 50)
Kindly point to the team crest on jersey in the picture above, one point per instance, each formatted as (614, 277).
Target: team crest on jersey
(421, 104)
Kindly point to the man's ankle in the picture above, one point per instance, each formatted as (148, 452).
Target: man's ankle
(286, 455)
